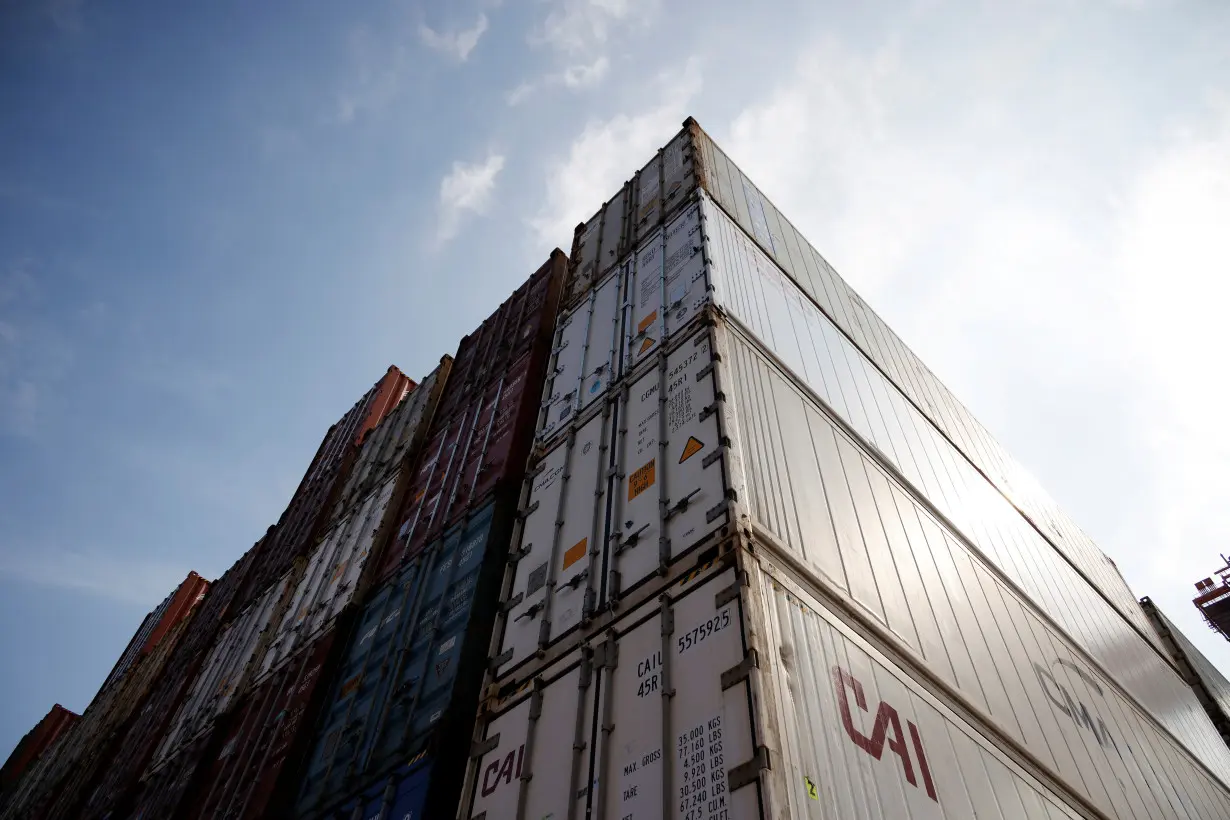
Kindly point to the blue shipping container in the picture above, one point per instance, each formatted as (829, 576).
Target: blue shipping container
(400, 669)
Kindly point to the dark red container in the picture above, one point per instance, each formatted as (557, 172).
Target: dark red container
(118, 787)
(36, 741)
(524, 320)
(484, 443)
(262, 752)
(309, 510)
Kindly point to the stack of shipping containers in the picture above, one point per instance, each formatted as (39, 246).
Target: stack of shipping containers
(1207, 682)
(63, 778)
(768, 567)
(213, 759)
(393, 737)
(682, 531)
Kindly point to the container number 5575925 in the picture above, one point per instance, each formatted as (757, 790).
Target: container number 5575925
(715, 624)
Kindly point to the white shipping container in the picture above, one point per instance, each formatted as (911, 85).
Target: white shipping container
(333, 573)
(741, 693)
(721, 265)
(223, 671)
(702, 441)
(691, 161)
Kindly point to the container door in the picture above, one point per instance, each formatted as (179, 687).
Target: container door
(671, 485)
(667, 287)
(675, 710)
(410, 795)
(585, 356)
(534, 758)
(564, 524)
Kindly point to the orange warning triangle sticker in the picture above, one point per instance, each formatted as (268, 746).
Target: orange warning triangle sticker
(648, 343)
(690, 449)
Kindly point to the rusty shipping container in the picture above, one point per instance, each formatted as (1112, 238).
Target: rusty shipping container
(692, 161)
(482, 445)
(68, 773)
(410, 673)
(171, 611)
(1208, 683)
(32, 745)
(135, 747)
(310, 507)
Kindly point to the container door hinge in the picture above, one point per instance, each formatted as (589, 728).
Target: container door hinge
(718, 509)
(517, 555)
(501, 659)
(731, 593)
(512, 602)
(718, 398)
(749, 772)
(741, 671)
(480, 747)
(606, 654)
(716, 455)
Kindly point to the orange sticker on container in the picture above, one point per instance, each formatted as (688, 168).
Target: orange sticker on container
(690, 449)
(647, 321)
(642, 480)
(645, 345)
(575, 553)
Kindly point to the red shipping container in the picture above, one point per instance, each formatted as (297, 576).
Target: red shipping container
(35, 742)
(263, 747)
(525, 320)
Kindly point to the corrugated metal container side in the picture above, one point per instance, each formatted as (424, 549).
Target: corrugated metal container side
(395, 440)
(85, 753)
(698, 442)
(744, 690)
(167, 792)
(692, 160)
(412, 670)
(337, 574)
(710, 259)
(400, 796)
(258, 764)
(168, 613)
(1210, 685)
(524, 321)
(33, 744)
(483, 447)
(309, 509)
(137, 744)
(227, 667)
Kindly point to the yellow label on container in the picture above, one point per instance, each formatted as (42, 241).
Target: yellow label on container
(642, 480)
(575, 553)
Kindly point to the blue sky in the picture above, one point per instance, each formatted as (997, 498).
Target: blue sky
(217, 229)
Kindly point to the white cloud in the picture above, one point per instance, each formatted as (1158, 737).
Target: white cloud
(575, 78)
(101, 573)
(376, 77)
(467, 188)
(458, 44)
(586, 75)
(580, 26)
(601, 156)
(1075, 301)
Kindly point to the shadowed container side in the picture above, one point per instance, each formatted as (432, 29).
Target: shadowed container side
(170, 612)
(308, 511)
(1210, 685)
(75, 765)
(118, 787)
(33, 744)
(411, 670)
(232, 771)
(482, 444)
